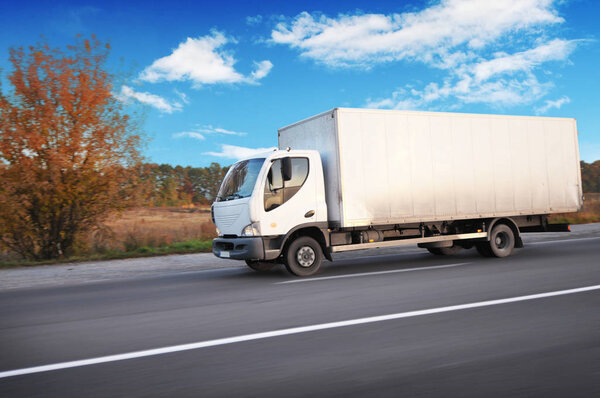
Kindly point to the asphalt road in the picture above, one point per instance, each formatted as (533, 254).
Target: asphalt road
(444, 330)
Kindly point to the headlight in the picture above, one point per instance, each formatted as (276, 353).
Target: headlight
(218, 231)
(251, 230)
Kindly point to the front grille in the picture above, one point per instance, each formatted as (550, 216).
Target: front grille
(224, 245)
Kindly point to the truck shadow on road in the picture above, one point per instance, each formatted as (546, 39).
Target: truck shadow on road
(380, 263)
(414, 261)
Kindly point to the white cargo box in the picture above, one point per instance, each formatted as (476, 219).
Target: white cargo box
(392, 167)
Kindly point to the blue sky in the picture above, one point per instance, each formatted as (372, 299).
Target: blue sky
(214, 80)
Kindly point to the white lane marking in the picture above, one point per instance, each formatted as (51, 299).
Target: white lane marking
(560, 241)
(370, 273)
(285, 332)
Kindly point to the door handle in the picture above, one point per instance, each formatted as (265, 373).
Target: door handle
(309, 214)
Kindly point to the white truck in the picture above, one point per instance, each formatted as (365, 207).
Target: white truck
(351, 179)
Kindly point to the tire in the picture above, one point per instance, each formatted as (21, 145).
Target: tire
(260, 266)
(303, 256)
(502, 240)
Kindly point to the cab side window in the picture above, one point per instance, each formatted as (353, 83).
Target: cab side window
(274, 187)
(277, 189)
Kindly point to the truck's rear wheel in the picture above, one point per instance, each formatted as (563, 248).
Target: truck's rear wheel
(502, 240)
(303, 256)
(260, 266)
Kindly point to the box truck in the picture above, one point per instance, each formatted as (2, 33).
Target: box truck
(352, 179)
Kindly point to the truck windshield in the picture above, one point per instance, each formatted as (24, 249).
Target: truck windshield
(240, 179)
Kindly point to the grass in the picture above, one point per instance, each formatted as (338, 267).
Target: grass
(152, 227)
(139, 232)
(200, 246)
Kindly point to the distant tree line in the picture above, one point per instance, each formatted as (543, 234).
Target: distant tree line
(166, 185)
(590, 176)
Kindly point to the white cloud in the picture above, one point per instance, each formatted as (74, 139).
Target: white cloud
(208, 129)
(497, 93)
(549, 104)
(182, 96)
(238, 152)
(485, 51)
(441, 34)
(400, 99)
(262, 69)
(190, 134)
(504, 92)
(202, 61)
(127, 94)
(200, 131)
(254, 21)
(506, 80)
(554, 50)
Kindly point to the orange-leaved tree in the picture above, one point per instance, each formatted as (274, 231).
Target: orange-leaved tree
(66, 148)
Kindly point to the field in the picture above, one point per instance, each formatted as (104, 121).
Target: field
(143, 231)
(152, 227)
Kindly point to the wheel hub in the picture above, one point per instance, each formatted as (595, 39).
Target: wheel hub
(501, 240)
(305, 256)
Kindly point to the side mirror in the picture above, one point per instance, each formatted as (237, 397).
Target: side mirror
(286, 169)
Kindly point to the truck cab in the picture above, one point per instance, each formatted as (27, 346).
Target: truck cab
(267, 201)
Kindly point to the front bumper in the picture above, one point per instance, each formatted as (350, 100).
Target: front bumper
(239, 248)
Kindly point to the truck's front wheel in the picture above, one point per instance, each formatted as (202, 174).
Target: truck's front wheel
(303, 256)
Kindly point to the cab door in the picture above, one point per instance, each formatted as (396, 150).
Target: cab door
(289, 197)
